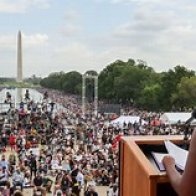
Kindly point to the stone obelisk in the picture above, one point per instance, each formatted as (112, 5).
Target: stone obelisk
(19, 58)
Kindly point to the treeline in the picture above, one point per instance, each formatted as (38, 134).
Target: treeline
(3, 79)
(68, 82)
(32, 80)
(35, 80)
(135, 84)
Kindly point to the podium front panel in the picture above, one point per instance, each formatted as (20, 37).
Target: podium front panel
(138, 176)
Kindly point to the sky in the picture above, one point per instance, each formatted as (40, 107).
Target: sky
(81, 35)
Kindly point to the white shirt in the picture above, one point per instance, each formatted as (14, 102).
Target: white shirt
(18, 177)
(4, 176)
(80, 178)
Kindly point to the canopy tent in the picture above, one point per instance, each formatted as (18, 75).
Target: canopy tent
(120, 121)
(176, 118)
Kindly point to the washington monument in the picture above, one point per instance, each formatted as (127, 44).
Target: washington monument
(19, 58)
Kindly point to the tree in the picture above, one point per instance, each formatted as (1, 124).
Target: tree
(107, 78)
(150, 97)
(169, 83)
(54, 80)
(186, 93)
(71, 82)
(130, 83)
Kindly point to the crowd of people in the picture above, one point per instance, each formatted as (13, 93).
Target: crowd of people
(56, 149)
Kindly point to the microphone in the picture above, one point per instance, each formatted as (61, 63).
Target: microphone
(187, 131)
(193, 116)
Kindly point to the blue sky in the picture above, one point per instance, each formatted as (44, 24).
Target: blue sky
(67, 35)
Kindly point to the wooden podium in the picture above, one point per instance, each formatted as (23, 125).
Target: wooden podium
(139, 175)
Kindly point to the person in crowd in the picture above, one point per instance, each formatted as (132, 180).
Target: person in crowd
(47, 184)
(91, 191)
(32, 164)
(75, 187)
(4, 139)
(18, 193)
(66, 183)
(19, 143)
(113, 190)
(27, 95)
(4, 176)
(4, 163)
(18, 179)
(27, 179)
(38, 184)
(12, 141)
(80, 178)
(6, 190)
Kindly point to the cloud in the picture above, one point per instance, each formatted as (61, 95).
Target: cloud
(148, 24)
(162, 37)
(70, 29)
(71, 23)
(75, 49)
(161, 32)
(34, 53)
(81, 57)
(145, 1)
(9, 42)
(35, 39)
(75, 56)
(42, 4)
(71, 15)
(21, 6)
(6, 7)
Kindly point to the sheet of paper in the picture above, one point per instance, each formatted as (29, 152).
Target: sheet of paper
(158, 159)
(180, 155)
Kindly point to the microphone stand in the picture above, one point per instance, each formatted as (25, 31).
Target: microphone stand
(187, 132)
(187, 135)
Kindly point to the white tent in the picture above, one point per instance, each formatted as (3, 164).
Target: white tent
(176, 117)
(125, 119)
